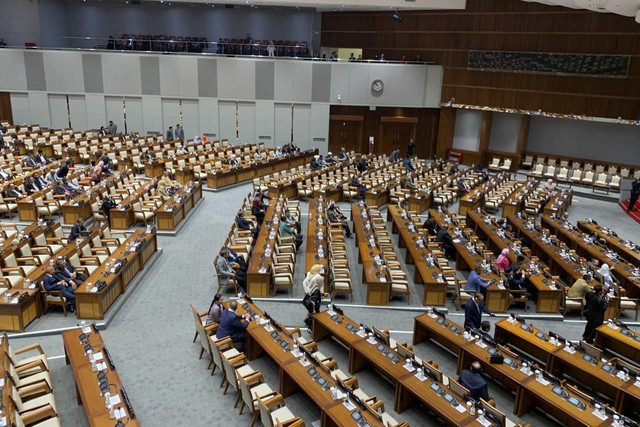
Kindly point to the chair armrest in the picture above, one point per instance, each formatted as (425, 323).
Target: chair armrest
(30, 347)
(90, 258)
(101, 249)
(55, 239)
(295, 331)
(34, 260)
(42, 249)
(12, 269)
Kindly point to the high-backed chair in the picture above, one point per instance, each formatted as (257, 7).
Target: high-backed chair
(570, 304)
(234, 368)
(273, 411)
(53, 298)
(252, 387)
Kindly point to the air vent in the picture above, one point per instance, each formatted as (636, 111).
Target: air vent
(209, 134)
(409, 1)
(319, 139)
(153, 132)
(264, 137)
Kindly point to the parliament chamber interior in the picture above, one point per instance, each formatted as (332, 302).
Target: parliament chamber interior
(317, 213)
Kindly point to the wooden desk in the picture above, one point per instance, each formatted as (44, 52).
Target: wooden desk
(376, 279)
(558, 203)
(535, 346)
(259, 281)
(154, 169)
(87, 385)
(625, 249)
(314, 243)
(627, 346)
(94, 304)
(435, 289)
(498, 296)
(176, 208)
(294, 377)
(122, 216)
(514, 203)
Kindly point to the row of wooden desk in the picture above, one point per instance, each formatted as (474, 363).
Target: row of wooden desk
(414, 240)
(408, 387)
(530, 392)
(88, 392)
(230, 176)
(293, 375)
(626, 249)
(174, 210)
(133, 254)
(585, 247)
(259, 268)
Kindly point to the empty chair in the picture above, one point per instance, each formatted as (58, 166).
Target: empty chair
(588, 177)
(506, 165)
(614, 184)
(495, 163)
(576, 176)
(274, 411)
(527, 162)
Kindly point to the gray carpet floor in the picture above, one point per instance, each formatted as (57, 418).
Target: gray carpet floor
(150, 337)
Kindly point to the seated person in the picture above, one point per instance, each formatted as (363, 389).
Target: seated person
(334, 215)
(503, 259)
(431, 226)
(485, 328)
(407, 164)
(233, 161)
(287, 231)
(463, 187)
(246, 224)
(31, 186)
(237, 262)
(292, 220)
(215, 310)
(52, 282)
(31, 161)
(445, 239)
(472, 380)
(71, 187)
(234, 326)
(257, 210)
(106, 206)
(166, 187)
(68, 272)
(14, 193)
(314, 165)
(580, 288)
(355, 182)
(475, 282)
(77, 230)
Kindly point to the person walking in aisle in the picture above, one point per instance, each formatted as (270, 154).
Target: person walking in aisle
(597, 304)
(635, 193)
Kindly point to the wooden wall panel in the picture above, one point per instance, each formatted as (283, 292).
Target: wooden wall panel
(445, 37)
(426, 132)
(6, 113)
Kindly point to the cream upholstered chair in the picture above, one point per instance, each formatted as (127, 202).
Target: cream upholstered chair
(506, 165)
(7, 207)
(588, 177)
(527, 162)
(401, 287)
(601, 181)
(46, 207)
(11, 262)
(537, 170)
(233, 368)
(28, 365)
(219, 347)
(563, 174)
(197, 317)
(628, 304)
(614, 184)
(45, 405)
(576, 176)
(550, 172)
(274, 411)
(570, 304)
(41, 241)
(42, 255)
(142, 214)
(495, 164)
(349, 192)
(252, 387)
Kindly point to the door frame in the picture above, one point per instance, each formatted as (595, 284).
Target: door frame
(397, 119)
(350, 118)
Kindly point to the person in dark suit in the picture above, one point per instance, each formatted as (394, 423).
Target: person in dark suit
(14, 193)
(31, 162)
(472, 380)
(52, 282)
(5, 175)
(38, 180)
(31, 186)
(246, 224)
(447, 242)
(473, 312)
(41, 159)
(234, 326)
(485, 329)
(64, 169)
(635, 193)
(594, 312)
(68, 272)
(342, 155)
(431, 226)
(407, 164)
(77, 230)
(410, 146)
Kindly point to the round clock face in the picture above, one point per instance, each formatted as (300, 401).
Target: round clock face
(377, 86)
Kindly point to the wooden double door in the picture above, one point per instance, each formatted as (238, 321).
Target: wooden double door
(345, 131)
(395, 132)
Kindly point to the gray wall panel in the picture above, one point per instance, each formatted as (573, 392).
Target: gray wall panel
(34, 69)
(92, 71)
(265, 73)
(207, 77)
(321, 84)
(505, 130)
(150, 75)
(467, 132)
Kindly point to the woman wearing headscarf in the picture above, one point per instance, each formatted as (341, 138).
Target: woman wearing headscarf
(503, 259)
(605, 272)
(313, 286)
(233, 161)
(196, 140)
(550, 185)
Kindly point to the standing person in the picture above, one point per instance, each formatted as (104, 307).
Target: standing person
(395, 156)
(410, 146)
(313, 285)
(476, 283)
(596, 306)
(635, 192)
(473, 312)
(106, 206)
(112, 129)
(64, 170)
(170, 134)
(271, 48)
(179, 134)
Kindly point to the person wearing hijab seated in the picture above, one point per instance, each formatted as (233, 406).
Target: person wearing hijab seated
(473, 381)
(77, 230)
(503, 259)
(52, 282)
(608, 279)
(166, 187)
(215, 310)
(247, 224)
(233, 162)
(13, 193)
(313, 286)
(549, 186)
(287, 231)
(196, 140)
(234, 326)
